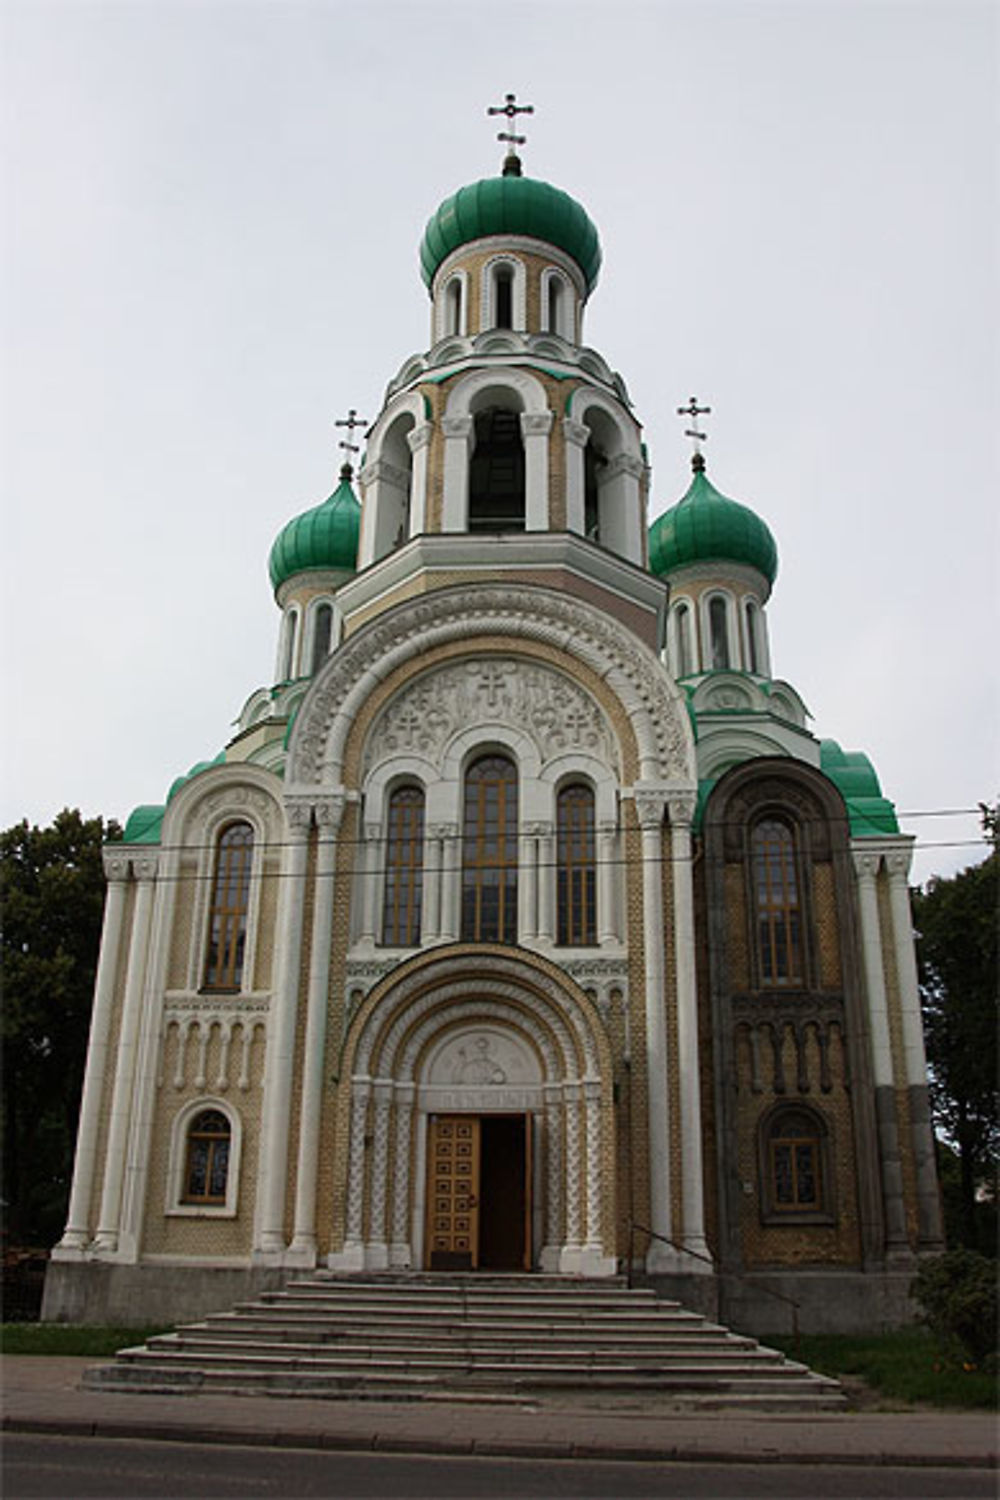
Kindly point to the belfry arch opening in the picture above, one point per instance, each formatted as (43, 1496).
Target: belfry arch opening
(393, 487)
(497, 472)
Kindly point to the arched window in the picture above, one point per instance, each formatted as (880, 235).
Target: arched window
(227, 922)
(753, 659)
(322, 630)
(593, 461)
(777, 904)
(503, 296)
(453, 307)
(404, 865)
(576, 874)
(496, 472)
(718, 625)
(794, 1167)
(206, 1161)
(682, 627)
(286, 666)
(489, 852)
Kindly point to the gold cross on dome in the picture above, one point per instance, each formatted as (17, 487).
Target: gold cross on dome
(693, 411)
(511, 109)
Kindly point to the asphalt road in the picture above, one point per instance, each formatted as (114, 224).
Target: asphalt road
(63, 1468)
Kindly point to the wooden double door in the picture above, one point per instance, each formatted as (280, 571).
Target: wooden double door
(479, 1193)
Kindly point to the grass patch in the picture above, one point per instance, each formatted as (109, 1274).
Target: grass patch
(71, 1338)
(906, 1365)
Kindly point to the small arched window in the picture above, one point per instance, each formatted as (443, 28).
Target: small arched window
(753, 659)
(289, 629)
(489, 852)
(795, 1167)
(322, 631)
(718, 626)
(404, 865)
(453, 307)
(576, 873)
(497, 473)
(206, 1160)
(777, 905)
(227, 921)
(555, 306)
(594, 461)
(682, 627)
(503, 296)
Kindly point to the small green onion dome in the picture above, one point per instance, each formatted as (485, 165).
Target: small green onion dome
(324, 537)
(511, 204)
(707, 527)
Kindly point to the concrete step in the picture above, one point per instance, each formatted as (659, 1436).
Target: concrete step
(192, 1347)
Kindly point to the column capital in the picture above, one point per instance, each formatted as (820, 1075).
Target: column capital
(117, 862)
(329, 811)
(575, 432)
(419, 437)
(537, 830)
(866, 865)
(382, 1090)
(144, 866)
(898, 862)
(373, 832)
(457, 427)
(299, 811)
(536, 423)
(443, 830)
(681, 806)
(649, 805)
(382, 471)
(623, 463)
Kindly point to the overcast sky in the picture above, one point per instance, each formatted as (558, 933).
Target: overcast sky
(211, 218)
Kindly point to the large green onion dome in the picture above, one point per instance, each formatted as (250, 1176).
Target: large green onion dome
(705, 526)
(511, 204)
(324, 537)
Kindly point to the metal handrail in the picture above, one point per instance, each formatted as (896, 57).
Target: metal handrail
(697, 1255)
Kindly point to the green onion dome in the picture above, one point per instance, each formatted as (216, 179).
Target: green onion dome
(511, 204)
(705, 526)
(325, 537)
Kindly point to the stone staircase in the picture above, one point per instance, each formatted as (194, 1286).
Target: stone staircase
(488, 1336)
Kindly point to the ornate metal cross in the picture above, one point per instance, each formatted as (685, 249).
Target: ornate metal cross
(694, 411)
(511, 109)
(351, 421)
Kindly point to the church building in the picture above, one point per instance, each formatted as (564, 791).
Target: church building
(524, 924)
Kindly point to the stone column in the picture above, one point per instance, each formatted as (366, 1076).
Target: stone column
(372, 887)
(451, 877)
(535, 429)
(607, 883)
(527, 902)
(649, 805)
(546, 883)
(569, 1258)
(621, 507)
(930, 1228)
(303, 1247)
(352, 1257)
(280, 1054)
(430, 906)
(77, 1233)
(692, 1179)
(593, 1250)
(401, 1248)
(897, 1245)
(553, 1177)
(575, 437)
(458, 440)
(377, 1248)
(106, 1240)
(419, 439)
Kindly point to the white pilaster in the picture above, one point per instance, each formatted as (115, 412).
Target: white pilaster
(527, 896)
(377, 1247)
(553, 1177)
(649, 806)
(77, 1233)
(458, 438)
(279, 1058)
(451, 876)
(607, 883)
(400, 1249)
(430, 914)
(372, 888)
(303, 1247)
(535, 429)
(575, 437)
(569, 1256)
(621, 507)
(546, 883)
(106, 1240)
(692, 1181)
(419, 439)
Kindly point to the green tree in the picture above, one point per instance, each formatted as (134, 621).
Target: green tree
(957, 920)
(52, 894)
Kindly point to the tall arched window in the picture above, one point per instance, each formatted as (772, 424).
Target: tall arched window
(453, 307)
(404, 868)
(289, 628)
(718, 626)
(206, 1161)
(593, 461)
(489, 852)
(576, 873)
(682, 628)
(777, 904)
(496, 472)
(753, 659)
(322, 631)
(503, 296)
(227, 921)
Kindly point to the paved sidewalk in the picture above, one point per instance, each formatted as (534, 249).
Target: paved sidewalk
(42, 1394)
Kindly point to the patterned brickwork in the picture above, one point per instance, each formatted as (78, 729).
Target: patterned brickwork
(267, 920)
(902, 1093)
(475, 261)
(335, 1123)
(183, 923)
(737, 953)
(826, 927)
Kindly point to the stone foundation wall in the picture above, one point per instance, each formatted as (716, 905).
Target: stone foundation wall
(133, 1296)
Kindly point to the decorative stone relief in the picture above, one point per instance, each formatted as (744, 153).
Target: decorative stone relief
(557, 713)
